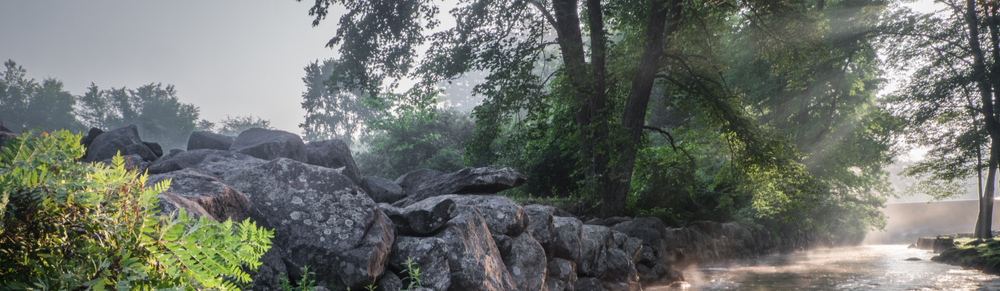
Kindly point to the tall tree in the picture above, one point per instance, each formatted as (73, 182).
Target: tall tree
(951, 98)
(153, 108)
(331, 111)
(25, 103)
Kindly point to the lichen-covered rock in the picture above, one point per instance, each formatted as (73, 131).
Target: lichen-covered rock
(389, 282)
(474, 259)
(125, 140)
(589, 284)
(209, 140)
(220, 200)
(561, 275)
(209, 161)
(320, 218)
(429, 254)
(467, 181)
(270, 272)
(595, 241)
(540, 226)
(269, 144)
(567, 242)
(381, 190)
(334, 154)
(502, 215)
(421, 219)
(526, 262)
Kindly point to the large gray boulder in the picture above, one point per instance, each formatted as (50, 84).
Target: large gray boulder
(421, 219)
(333, 154)
(381, 190)
(541, 228)
(270, 144)
(209, 140)
(221, 160)
(320, 219)
(589, 284)
(170, 204)
(429, 254)
(410, 181)
(567, 242)
(213, 195)
(467, 181)
(561, 275)
(125, 140)
(502, 215)
(595, 241)
(270, 272)
(389, 282)
(473, 257)
(526, 262)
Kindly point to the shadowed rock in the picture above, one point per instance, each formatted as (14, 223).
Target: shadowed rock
(421, 219)
(410, 181)
(381, 190)
(269, 144)
(186, 159)
(502, 215)
(333, 154)
(567, 244)
(125, 140)
(209, 140)
(465, 181)
(561, 275)
(429, 254)
(540, 226)
(473, 258)
(526, 262)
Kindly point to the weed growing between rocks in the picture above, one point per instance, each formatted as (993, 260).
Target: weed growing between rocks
(308, 280)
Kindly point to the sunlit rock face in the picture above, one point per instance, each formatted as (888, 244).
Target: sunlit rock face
(209, 192)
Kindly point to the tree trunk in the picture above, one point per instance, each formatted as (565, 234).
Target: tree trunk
(613, 193)
(985, 218)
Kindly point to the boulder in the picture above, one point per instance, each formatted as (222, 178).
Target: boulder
(589, 284)
(473, 258)
(269, 144)
(421, 219)
(502, 215)
(567, 240)
(595, 242)
(429, 254)
(540, 226)
(381, 190)
(209, 140)
(320, 218)
(125, 140)
(270, 272)
(333, 154)
(561, 275)
(132, 163)
(215, 161)
(389, 282)
(220, 200)
(410, 181)
(526, 262)
(89, 138)
(467, 181)
(155, 147)
(169, 205)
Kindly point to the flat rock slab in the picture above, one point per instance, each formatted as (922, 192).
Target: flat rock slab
(465, 181)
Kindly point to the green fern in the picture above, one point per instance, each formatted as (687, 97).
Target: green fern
(69, 225)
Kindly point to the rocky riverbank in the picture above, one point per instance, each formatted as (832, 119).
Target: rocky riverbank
(970, 253)
(353, 230)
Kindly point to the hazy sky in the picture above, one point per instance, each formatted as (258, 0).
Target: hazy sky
(226, 57)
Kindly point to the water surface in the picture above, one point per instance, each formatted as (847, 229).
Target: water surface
(873, 267)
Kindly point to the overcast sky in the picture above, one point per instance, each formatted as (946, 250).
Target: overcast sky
(226, 57)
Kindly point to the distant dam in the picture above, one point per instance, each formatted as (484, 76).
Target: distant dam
(909, 221)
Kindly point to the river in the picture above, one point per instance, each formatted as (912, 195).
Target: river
(870, 267)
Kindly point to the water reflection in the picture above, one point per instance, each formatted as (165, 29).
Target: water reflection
(879, 267)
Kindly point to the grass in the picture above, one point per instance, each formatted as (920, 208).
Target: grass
(978, 254)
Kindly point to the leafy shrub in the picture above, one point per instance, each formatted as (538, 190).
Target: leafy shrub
(66, 225)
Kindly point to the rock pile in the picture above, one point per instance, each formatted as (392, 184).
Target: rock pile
(353, 231)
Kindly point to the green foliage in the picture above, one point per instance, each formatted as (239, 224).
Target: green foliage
(412, 275)
(68, 225)
(25, 103)
(154, 109)
(418, 136)
(236, 125)
(331, 111)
